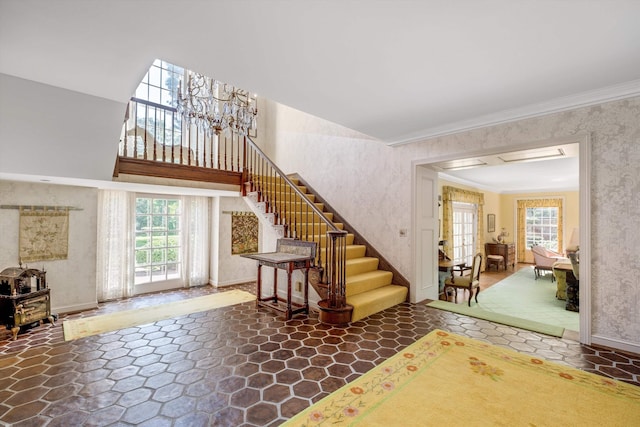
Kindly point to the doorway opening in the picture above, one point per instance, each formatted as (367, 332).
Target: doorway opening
(431, 169)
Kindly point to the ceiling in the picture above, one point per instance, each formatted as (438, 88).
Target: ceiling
(526, 171)
(395, 70)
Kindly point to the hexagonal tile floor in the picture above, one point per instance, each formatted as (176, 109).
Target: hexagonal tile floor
(233, 366)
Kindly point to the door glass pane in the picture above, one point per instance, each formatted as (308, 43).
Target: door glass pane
(464, 232)
(158, 239)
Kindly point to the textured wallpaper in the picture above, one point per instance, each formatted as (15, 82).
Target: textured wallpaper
(375, 188)
(72, 280)
(228, 269)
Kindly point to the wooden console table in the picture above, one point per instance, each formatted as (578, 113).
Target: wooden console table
(290, 255)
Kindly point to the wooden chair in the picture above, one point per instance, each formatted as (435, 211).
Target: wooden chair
(470, 282)
(494, 259)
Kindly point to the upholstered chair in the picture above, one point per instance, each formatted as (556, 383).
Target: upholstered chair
(544, 260)
(470, 282)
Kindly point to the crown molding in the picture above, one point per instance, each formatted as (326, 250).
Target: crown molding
(500, 190)
(584, 99)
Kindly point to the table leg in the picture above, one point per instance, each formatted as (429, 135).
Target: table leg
(259, 285)
(289, 271)
(275, 285)
(306, 289)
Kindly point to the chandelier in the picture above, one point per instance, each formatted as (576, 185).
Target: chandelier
(216, 107)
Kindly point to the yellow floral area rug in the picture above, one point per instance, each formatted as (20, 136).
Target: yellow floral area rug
(84, 327)
(445, 379)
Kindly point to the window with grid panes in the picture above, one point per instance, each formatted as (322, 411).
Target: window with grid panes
(156, 98)
(542, 227)
(158, 238)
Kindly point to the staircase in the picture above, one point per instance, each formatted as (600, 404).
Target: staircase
(352, 282)
(368, 289)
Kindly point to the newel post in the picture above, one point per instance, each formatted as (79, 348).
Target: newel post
(334, 309)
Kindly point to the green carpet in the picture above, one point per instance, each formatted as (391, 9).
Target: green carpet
(503, 319)
(520, 295)
(520, 298)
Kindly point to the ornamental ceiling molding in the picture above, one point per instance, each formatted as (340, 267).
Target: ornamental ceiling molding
(607, 94)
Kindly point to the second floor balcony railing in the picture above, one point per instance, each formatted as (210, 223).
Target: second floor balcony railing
(154, 136)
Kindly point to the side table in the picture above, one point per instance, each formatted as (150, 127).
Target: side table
(290, 255)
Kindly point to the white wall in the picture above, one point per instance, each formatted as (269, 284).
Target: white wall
(228, 269)
(375, 190)
(48, 131)
(72, 281)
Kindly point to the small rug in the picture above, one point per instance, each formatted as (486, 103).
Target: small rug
(504, 319)
(84, 327)
(445, 379)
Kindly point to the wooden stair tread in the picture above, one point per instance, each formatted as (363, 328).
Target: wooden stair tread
(373, 301)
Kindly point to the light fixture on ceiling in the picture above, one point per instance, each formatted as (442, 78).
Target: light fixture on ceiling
(532, 155)
(461, 164)
(217, 107)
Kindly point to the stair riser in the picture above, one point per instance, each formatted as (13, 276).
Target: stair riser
(273, 179)
(285, 187)
(307, 216)
(368, 303)
(317, 228)
(370, 281)
(322, 239)
(353, 252)
(293, 198)
(361, 267)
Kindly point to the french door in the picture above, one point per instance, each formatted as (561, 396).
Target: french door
(465, 227)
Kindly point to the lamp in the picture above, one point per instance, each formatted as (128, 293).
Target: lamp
(214, 106)
(502, 235)
(574, 241)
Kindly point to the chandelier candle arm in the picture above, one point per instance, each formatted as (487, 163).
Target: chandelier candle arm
(199, 104)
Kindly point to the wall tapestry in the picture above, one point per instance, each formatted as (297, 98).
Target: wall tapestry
(244, 233)
(44, 234)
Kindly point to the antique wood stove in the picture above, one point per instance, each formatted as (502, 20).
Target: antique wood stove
(24, 298)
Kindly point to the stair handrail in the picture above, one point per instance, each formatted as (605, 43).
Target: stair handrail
(290, 183)
(333, 306)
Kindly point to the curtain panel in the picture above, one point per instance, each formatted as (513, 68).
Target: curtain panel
(453, 194)
(522, 221)
(115, 264)
(195, 233)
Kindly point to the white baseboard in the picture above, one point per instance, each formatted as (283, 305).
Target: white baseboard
(617, 344)
(74, 308)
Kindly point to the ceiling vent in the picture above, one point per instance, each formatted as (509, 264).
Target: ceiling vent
(531, 155)
(461, 164)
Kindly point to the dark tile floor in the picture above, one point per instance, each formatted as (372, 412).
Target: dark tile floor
(234, 366)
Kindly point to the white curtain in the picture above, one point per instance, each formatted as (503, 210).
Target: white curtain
(195, 232)
(115, 240)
